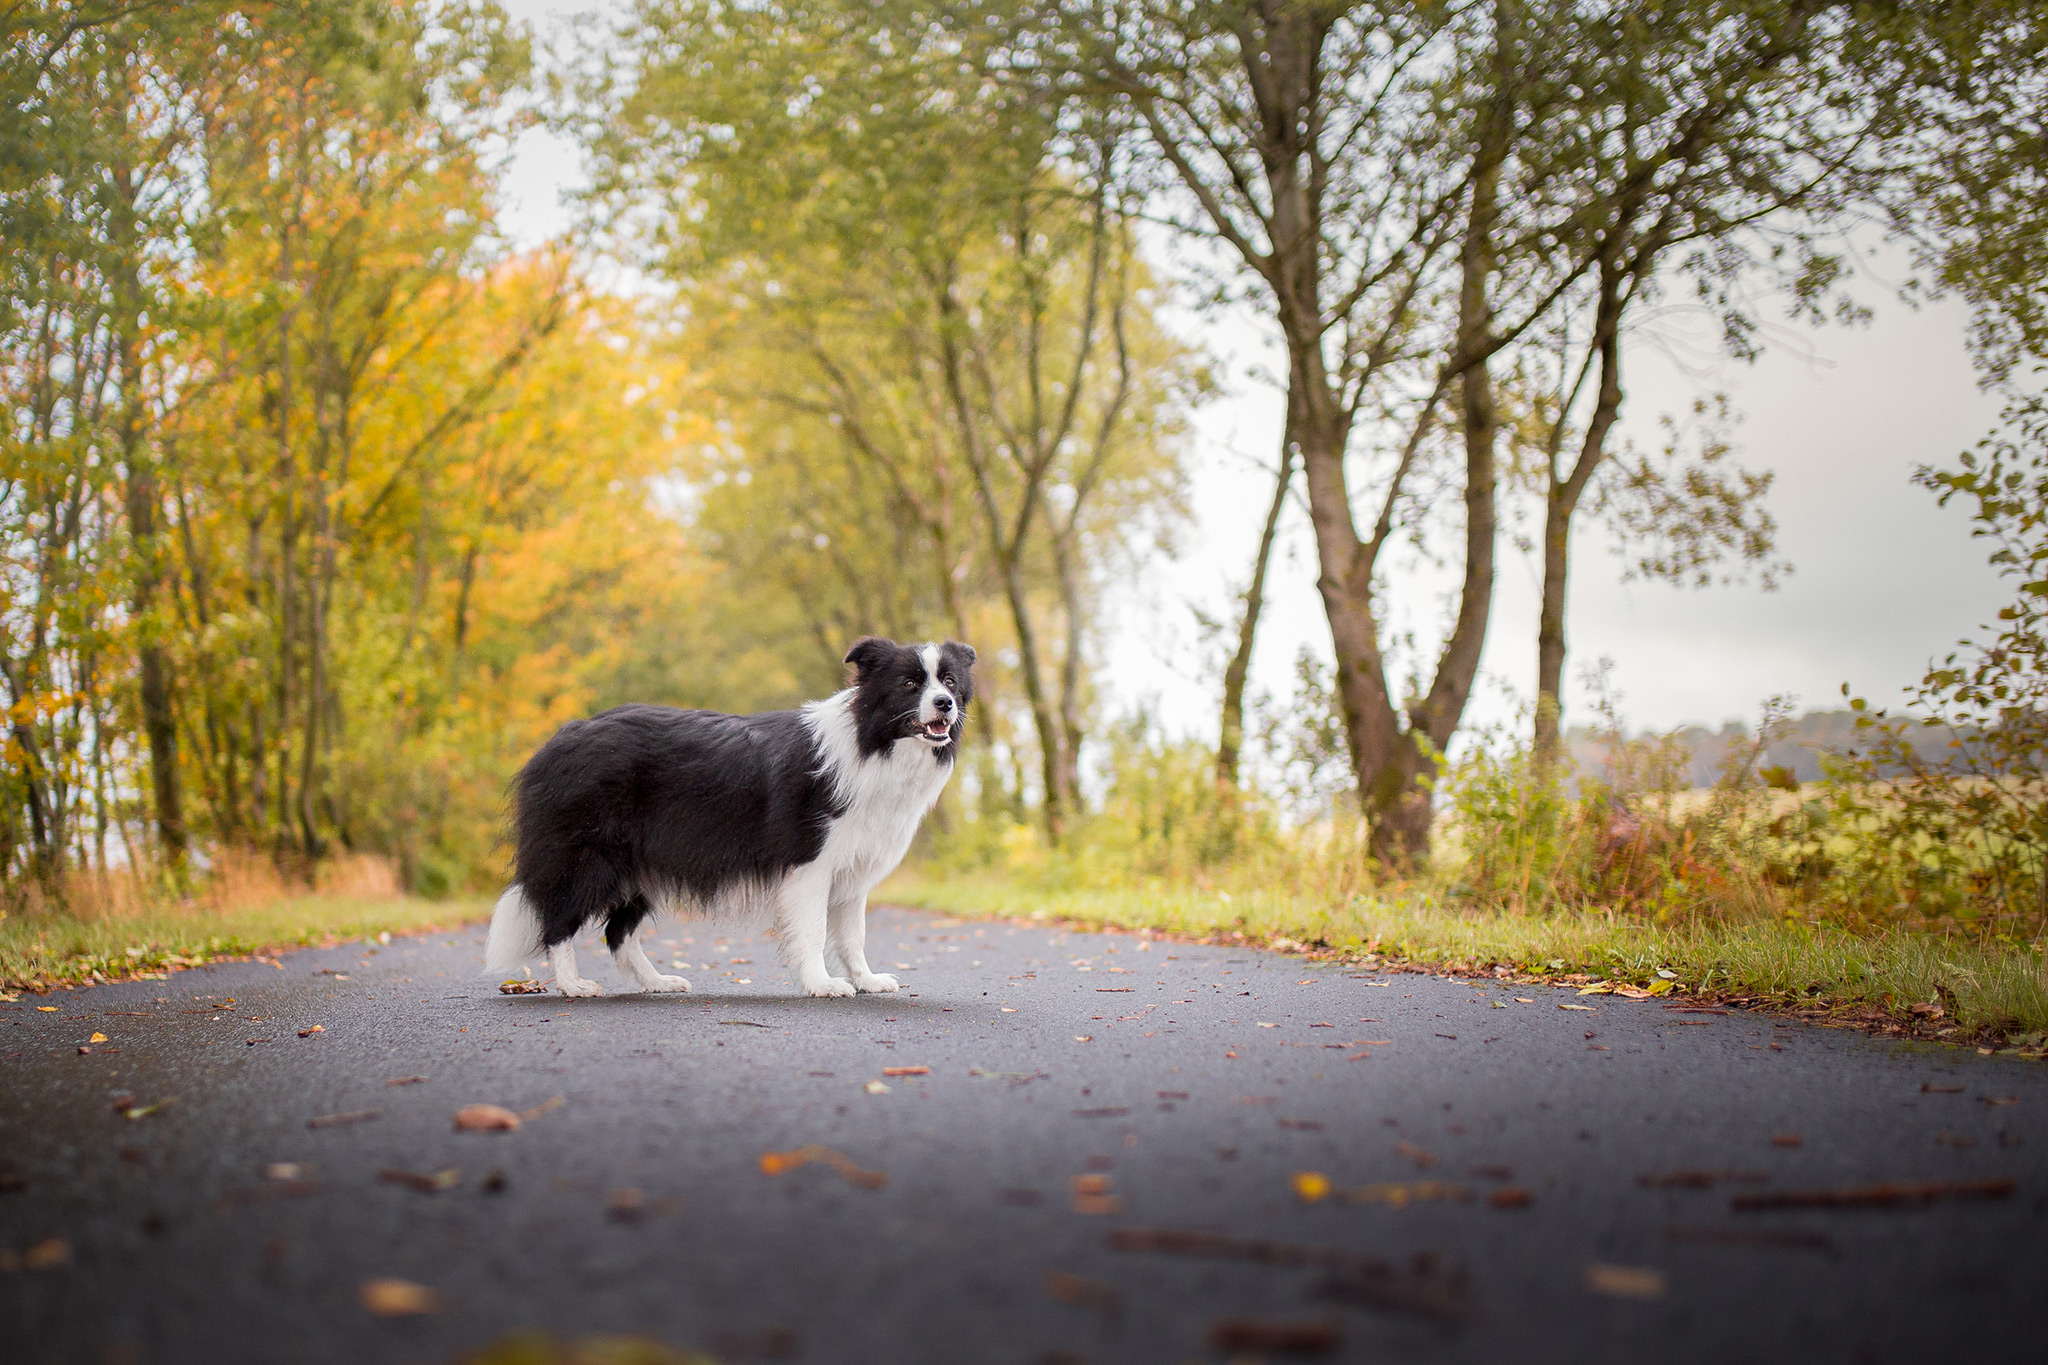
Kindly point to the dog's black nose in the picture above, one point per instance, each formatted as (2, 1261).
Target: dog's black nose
(942, 703)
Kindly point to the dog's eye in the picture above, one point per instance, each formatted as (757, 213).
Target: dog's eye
(945, 680)
(912, 682)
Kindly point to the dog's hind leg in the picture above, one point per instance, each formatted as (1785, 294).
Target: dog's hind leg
(846, 936)
(621, 935)
(800, 918)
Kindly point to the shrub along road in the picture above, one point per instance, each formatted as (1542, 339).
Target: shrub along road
(1121, 1152)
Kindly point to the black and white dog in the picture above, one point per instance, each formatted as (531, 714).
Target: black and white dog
(787, 816)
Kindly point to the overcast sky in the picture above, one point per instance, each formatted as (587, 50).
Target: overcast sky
(1883, 578)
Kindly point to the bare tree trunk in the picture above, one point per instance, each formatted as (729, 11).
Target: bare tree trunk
(142, 499)
(1560, 505)
(1230, 737)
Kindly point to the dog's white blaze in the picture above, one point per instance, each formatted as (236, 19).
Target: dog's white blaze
(927, 712)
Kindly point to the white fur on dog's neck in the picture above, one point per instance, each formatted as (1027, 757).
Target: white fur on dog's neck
(885, 794)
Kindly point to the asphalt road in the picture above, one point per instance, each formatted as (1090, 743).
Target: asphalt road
(1184, 1086)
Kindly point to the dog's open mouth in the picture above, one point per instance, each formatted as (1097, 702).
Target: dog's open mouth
(940, 730)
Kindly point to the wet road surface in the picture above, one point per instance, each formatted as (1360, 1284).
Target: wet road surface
(1106, 1162)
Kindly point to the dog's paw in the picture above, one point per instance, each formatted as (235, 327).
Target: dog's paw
(665, 983)
(876, 981)
(576, 985)
(831, 986)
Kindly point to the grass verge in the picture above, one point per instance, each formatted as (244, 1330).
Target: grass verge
(38, 951)
(1989, 994)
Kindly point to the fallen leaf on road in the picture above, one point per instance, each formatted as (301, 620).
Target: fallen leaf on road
(1322, 1025)
(1927, 1089)
(44, 1255)
(1787, 1140)
(1400, 1194)
(1424, 1288)
(625, 1205)
(1313, 1338)
(775, 1163)
(97, 1038)
(266, 1194)
(52, 1009)
(1510, 1197)
(1523, 1000)
(1091, 1195)
(1696, 1180)
(1881, 1195)
(1113, 990)
(1310, 1186)
(425, 1184)
(283, 1170)
(406, 1080)
(1310, 982)
(144, 1111)
(1084, 1037)
(399, 1298)
(309, 1032)
(1587, 1008)
(1421, 1156)
(1760, 1237)
(1627, 1281)
(254, 1041)
(1998, 1099)
(876, 1088)
(906, 1071)
(485, 1118)
(1269, 1026)
(519, 987)
(546, 1106)
(1103, 1298)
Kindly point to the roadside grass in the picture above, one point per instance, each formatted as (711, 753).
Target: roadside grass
(39, 949)
(1965, 989)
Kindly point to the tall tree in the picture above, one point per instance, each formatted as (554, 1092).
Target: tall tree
(955, 301)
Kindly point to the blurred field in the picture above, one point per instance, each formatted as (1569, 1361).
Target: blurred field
(114, 927)
(1978, 984)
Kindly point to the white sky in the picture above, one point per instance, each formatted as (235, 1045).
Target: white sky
(1883, 579)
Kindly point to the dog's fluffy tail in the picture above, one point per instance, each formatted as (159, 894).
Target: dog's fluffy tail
(515, 933)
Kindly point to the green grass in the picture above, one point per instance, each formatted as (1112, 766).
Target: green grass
(41, 949)
(1981, 989)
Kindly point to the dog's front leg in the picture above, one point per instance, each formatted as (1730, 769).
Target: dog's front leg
(848, 940)
(801, 916)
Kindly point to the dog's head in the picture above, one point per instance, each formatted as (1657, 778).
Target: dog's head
(910, 692)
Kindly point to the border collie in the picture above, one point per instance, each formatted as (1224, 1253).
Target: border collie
(788, 816)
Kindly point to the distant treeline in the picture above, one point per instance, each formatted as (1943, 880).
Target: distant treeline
(1798, 747)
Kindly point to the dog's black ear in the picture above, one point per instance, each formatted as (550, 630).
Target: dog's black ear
(868, 652)
(967, 650)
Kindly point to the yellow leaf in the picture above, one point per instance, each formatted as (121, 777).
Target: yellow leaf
(1627, 1281)
(97, 1038)
(1311, 1186)
(399, 1298)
